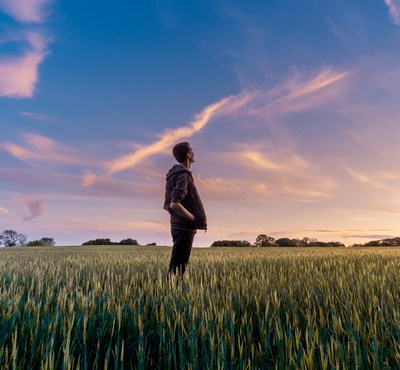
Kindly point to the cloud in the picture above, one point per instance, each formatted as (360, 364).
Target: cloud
(106, 186)
(375, 180)
(276, 172)
(245, 101)
(285, 162)
(88, 178)
(112, 226)
(300, 92)
(19, 75)
(3, 210)
(38, 116)
(323, 79)
(386, 209)
(220, 188)
(225, 106)
(394, 10)
(32, 11)
(35, 206)
(38, 149)
(368, 236)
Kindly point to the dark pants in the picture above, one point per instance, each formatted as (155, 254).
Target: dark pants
(183, 242)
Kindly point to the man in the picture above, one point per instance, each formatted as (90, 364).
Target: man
(183, 203)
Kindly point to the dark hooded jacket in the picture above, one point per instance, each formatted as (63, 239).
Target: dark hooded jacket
(180, 188)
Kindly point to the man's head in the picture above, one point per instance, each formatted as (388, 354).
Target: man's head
(183, 151)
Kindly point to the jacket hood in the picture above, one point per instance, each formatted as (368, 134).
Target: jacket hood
(176, 168)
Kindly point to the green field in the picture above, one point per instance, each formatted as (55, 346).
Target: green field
(248, 308)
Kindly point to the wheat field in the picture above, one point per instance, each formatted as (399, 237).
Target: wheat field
(236, 308)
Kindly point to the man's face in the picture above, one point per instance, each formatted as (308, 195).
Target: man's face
(191, 155)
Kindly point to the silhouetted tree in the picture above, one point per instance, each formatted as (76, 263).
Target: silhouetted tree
(325, 244)
(231, 243)
(44, 242)
(391, 242)
(100, 241)
(10, 238)
(285, 242)
(128, 241)
(263, 240)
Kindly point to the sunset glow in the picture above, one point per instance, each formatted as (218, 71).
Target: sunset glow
(291, 108)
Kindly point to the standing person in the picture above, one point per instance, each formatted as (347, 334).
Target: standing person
(184, 205)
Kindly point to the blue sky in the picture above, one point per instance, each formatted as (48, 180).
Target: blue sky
(291, 107)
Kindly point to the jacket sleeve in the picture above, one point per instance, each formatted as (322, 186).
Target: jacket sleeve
(180, 189)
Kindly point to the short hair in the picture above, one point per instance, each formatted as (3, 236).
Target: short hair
(180, 151)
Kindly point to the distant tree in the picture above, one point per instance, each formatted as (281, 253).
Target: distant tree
(231, 243)
(35, 243)
(373, 243)
(297, 242)
(42, 242)
(391, 242)
(394, 242)
(263, 240)
(100, 241)
(10, 238)
(326, 244)
(286, 242)
(151, 244)
(128, 241)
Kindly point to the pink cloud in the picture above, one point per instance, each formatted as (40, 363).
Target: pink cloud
(3, 210)
(300, 93)
(35, 206)
(19, 75)
(276, 173)
(38, 149)
(394, 10)
(107, 186)
(32, 11)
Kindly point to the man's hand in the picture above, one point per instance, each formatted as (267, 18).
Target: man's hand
(182, 211)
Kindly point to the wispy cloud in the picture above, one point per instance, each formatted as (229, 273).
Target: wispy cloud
(323, 79)
(274, 162)
(302, 92)
(220, 188)
(3, 210)
(38, 150)
(267, 174)
(247, 102)
(38, 116)
(35, 206)
(109, 187)
(394, 10)
(386, 209)
(375, 180)
(32, 11)
(223, 107)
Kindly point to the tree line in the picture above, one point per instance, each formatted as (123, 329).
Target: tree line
(264, 240)
(11, 238)
(105, 241)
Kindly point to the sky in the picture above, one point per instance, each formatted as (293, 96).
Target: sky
(292, 109)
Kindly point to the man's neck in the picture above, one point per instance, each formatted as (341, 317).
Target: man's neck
(186, 164)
